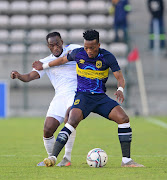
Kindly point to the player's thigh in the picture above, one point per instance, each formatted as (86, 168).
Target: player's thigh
(84, 102)
(118, 115)
(104, 106)
(57, 106)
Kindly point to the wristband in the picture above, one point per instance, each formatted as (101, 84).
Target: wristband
(45, 65)
(120, 89)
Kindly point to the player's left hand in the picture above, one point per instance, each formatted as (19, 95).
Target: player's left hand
(119, 96)
(37, 65)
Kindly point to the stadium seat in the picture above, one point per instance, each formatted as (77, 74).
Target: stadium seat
(97, 21)
(4, 21)
(4, 6)
(77, 21)
(57, 6)
(75, 35)
(104, 46)
(77, 7)
(110, 21)
(118, 49)
(111, 35)
(63, 33)
(103, 35)
(97, 7)
(4, 48)
(19, 21)
(18, 35)
(38, 21)
(38, 48)
(17, 48)
(38, 6)
(37, 35)
(58, 21)
(122, 62)
(19, 6)
(4, 35)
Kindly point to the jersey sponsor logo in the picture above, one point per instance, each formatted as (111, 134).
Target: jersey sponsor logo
(81, 61)
(92, 74)
(98, 64)
(77, 101)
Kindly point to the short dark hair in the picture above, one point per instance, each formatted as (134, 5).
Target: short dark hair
(52, 34)
(91, 34)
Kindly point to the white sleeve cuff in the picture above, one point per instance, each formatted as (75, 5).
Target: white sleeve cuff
(45, 65)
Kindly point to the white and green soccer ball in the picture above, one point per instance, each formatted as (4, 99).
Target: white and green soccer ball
(97, 158)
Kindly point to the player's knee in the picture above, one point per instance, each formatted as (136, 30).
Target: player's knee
(48, 131)
(124, 119)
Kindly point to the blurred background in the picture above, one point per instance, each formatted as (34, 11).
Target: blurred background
(127, 30)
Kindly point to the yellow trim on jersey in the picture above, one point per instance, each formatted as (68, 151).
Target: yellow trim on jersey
(92, 74)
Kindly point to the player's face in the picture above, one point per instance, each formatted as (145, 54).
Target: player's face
(91, 48)
(55, 45)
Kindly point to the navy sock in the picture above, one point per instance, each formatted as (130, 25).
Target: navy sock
(61, 140)
(125, 138)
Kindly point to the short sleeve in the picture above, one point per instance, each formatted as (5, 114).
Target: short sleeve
(112, 62)
(71, 55)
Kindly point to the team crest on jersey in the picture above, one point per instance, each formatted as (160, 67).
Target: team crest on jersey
(98, 64)
(76, 101)
(82, 61)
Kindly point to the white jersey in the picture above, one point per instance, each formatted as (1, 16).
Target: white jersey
(64, 81)
(63, 77)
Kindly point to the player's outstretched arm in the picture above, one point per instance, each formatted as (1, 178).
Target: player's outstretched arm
(40, 66)
(121, 84)
(24, 77)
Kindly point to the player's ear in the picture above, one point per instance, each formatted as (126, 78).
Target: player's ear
(99, 44)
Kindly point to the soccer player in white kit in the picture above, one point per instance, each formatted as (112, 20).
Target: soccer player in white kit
(64, 81)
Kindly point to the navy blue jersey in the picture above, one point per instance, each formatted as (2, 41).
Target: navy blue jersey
(92, 73)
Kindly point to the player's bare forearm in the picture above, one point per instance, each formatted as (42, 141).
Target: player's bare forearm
(120, 79)
(121, 84)
(40, 66)
(24, 77)
(58, 61)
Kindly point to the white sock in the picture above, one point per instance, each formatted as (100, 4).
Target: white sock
(69, 145)
(49, 143)
(126, 160)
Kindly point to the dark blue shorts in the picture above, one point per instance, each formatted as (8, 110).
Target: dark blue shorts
(97, 103)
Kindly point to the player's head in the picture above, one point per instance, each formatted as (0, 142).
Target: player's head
(91, 43)
(55, 43)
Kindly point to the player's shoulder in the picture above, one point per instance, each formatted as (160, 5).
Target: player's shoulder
(107, 55)
(72, 46)
(105, 52)
(47, 58)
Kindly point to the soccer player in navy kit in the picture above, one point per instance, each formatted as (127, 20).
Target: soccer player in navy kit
(92, 69)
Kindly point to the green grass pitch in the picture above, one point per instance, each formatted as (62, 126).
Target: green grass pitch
(21, 148)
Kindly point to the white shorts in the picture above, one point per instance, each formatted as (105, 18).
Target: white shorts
(59, 106)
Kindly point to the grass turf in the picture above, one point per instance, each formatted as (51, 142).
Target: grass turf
(21, 148)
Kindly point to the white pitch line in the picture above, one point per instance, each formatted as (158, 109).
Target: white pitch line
(157, 122)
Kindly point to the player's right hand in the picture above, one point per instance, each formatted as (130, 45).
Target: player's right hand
(37, 65)
(14, 74)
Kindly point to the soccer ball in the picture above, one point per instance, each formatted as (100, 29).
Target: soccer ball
(97, 158)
